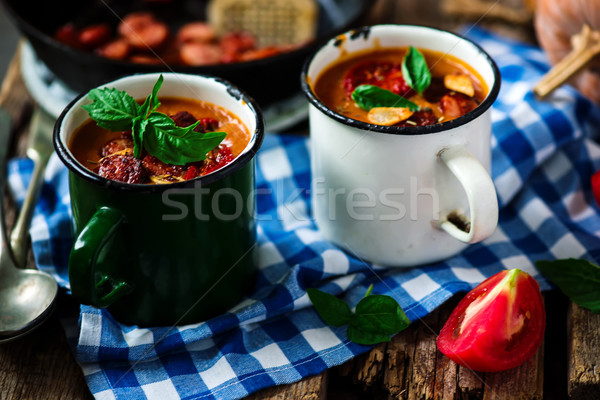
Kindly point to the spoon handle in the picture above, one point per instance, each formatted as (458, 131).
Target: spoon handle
(5, 134)
(39, 150)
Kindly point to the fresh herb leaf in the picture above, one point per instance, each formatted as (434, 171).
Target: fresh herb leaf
(366, 338)
(156, 132)
(578, 279)
(333, 311)
(370, 96)
(112, 109)
(415, 70)
(376, 316)
(137, 132)
(379, 313)
(178, 145)
(154, 96)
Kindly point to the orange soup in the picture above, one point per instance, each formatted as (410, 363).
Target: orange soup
(453, 90)
(110, 154)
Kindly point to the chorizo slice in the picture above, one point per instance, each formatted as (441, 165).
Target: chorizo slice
(158, 168)
(142, 31)
(116, 145)
(117, 49)
(93, 36)
(183, 118)
(69, 35)
(200, 54)
(196, 32)
(122, 168)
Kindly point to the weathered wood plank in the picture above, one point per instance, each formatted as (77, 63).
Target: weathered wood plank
(369, 367)
(584, 353)
(411, 361)
(524, 382)
(422, 380)
(311, 388)
(399, 363)
(470, 384)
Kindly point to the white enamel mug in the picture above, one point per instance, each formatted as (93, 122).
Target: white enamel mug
(402, 196)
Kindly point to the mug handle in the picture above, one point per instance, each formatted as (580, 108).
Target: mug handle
(481, 194)
(84, 258)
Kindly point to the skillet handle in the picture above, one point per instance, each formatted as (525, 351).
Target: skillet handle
(85, 273)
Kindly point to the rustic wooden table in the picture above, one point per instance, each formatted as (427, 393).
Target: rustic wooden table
(41, 366)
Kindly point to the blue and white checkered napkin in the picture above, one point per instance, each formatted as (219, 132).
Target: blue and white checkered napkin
(542, 162)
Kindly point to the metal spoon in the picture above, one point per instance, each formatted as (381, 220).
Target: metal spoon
(27, 296)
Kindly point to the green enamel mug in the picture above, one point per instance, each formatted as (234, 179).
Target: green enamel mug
(170, 254)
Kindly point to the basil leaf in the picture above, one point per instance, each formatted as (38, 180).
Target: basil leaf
(176, 145)
(137, 132)
(578, 279)
(415, 70)
(379, 314)
(365, 338)
(112, 109)
(154, 96)
(164, 123)
(333, 311)
(370, 96)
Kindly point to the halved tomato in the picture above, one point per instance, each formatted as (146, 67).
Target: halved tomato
(498, 325)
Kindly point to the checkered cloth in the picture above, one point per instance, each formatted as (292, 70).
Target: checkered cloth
(543, 157)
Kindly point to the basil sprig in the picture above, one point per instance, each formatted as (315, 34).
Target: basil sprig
(375, 318)
(578, 279)
(416, 74)
(370, 96)
(155, 132)
(415, 70)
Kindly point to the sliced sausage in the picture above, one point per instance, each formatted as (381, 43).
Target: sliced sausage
(156, 167)
(93, 36)
(142, 31)
(183, 118)
(117, 49)
(196, 32)
(234, 44)
(122, 168)
(116, 145)
(200, 54)
(69, 35)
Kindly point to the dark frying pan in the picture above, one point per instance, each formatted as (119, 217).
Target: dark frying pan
(267, 80)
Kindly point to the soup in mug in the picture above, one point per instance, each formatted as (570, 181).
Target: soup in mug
(453, 88)
(110, 154)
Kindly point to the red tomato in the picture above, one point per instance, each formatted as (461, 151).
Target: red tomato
(596, 186)
(498, 325)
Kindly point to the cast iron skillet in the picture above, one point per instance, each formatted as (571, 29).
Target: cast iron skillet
(267, 80)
